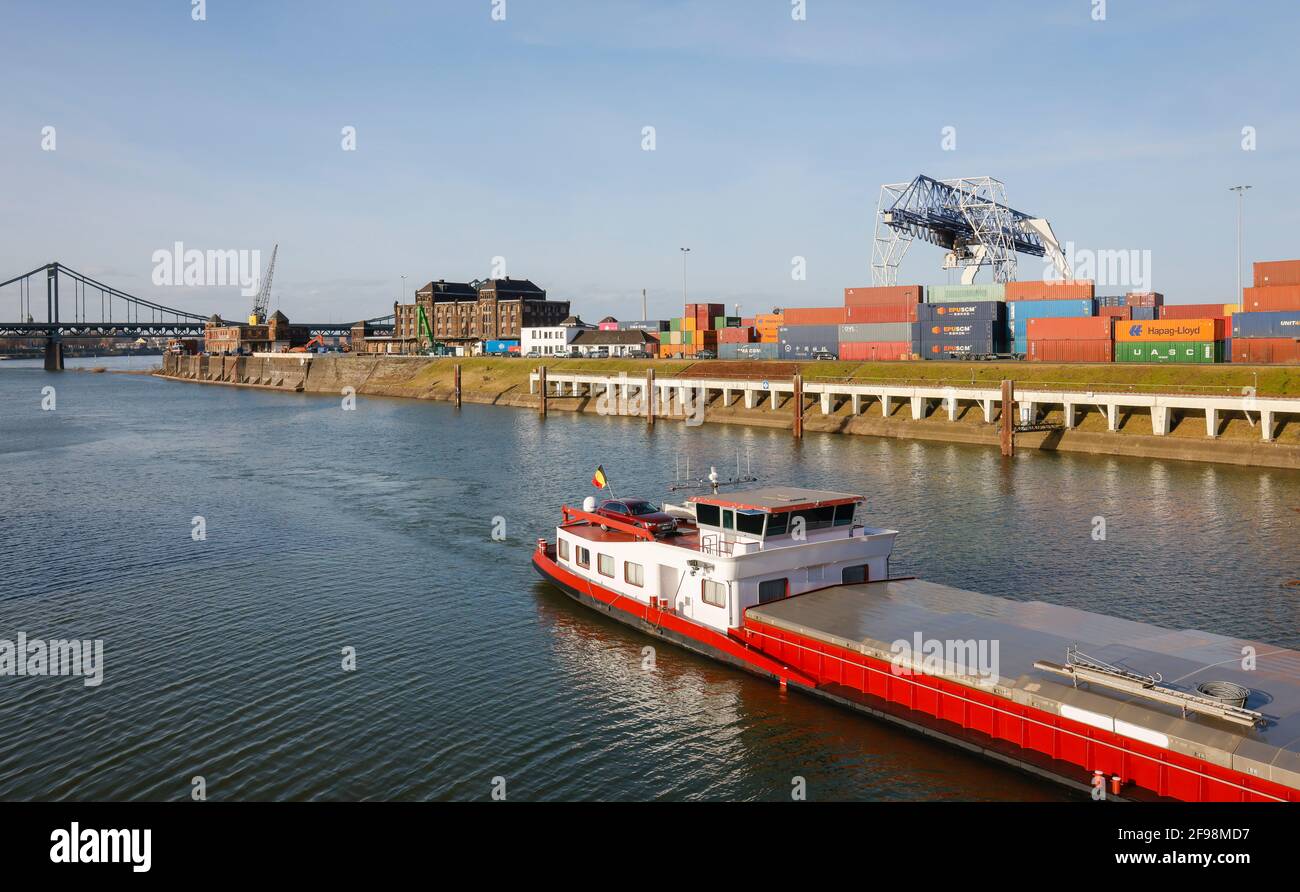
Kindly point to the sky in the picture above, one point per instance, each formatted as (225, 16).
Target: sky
(521, 138)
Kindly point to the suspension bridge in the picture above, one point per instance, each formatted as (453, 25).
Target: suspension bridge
(99, 310)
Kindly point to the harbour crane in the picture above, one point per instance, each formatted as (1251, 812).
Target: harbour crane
(969, 217)
(262, 302)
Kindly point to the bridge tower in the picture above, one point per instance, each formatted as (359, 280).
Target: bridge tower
(53, 343)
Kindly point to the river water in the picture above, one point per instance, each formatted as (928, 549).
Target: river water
(372, 529)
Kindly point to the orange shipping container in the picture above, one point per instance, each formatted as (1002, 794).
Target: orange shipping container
(880, 295)
(883, 313)
(1069, 328)
(1171, 330)
(875, 351)
(1266, 350)
(1078, 289)
(1116, 312)
(1277, 272)
(1071, 351)
(1191, 311)
(815, 316)
(1274, 297)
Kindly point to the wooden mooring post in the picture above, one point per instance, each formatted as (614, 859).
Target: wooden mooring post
(457, 380)
(541, 383)
(650, 397)
(1008, 418)
(797, 427)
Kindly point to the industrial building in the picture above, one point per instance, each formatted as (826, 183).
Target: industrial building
(462, 316)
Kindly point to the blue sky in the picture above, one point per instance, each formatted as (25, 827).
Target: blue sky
(523, 139)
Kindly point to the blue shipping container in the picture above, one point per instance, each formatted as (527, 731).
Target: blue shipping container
(1144, 314)
(802, 341)
(748, 351)
(497, 347)
(1283, 324)
(653, 325)
(1019, 313)
(981, 311)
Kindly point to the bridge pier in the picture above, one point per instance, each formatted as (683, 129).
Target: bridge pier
(53, 355)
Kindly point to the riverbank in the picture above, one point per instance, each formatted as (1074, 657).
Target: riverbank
(505, 382)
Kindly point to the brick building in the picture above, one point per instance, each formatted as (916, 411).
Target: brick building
(464, 314)
(274, 335)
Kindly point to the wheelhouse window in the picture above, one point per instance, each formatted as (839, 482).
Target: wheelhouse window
(844, 514)
(772, 590)
(605, 565)
(855, 574)
(713, 593)
(728, 519)
(750, 522)
(708, 515)
(584, 557)
(562, 548)
(633, 574)
(778, 523)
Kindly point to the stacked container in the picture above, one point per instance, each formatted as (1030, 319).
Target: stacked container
(768, 326)
(737, 335)
(869, 341)
(1175, 340)
(748, 351)
(1020, 312)
(806, 341)
(1081, 289)
(1071, 339)
(888, 303)
(964, 294)
(1272, 337)
(1144, 299)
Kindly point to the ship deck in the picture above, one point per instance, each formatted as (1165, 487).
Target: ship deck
(868, 617)
(687, 537)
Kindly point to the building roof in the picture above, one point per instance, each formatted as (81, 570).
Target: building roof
(635, 337)
(511, 286)
(279, 317)
(572, 322)
(443, 290)
(777, 498)
(609, 319)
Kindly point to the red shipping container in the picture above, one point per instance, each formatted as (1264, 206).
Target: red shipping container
(1274, 297)
(1095, 350)
(1078, 289)
(815, 316)
(881, 295)
(1116, 312)
(1070, 328)
(1144, 299)
(1191, 311)
(875, 351)
(744, 335)
(1277, 272)
(1266, 350)
(885, 313)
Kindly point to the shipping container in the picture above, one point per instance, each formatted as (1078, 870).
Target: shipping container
(674, 324)
(654, 326)
(1283, 324)
(1260, 351)
(979, 311)
(803, 341)
(875, 332)
(1277, 272)
(1059, 289)
(748, 351)
(1114, 312)
(1172, 330)
(1190, 311)
(882, 313)
(949, 294)
(1144, 299)
(1270, 299)
(1144, 314)
(1048, 350)
(1169, 351)
(737, 335)
(497, 348)
(1020, 312)
(815, 315)
(958, 338)
(1112, 300)
(1070, 328)
(883, 295)
(876, 351)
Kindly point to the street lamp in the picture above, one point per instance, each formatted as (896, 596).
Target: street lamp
(403, 289)
(1241, 201)
(685, 251)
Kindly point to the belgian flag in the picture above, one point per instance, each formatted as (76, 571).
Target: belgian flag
(599, 480)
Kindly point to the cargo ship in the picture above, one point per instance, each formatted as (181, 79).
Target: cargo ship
(788, 584)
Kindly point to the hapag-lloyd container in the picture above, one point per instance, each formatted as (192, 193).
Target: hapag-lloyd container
(1171, 330)
(880, 331)
(976, 311)
(963, 294)
(1282, 324)
(1169, 351)
(1020, 312)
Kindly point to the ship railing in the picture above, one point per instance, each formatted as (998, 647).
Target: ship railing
(715, 544)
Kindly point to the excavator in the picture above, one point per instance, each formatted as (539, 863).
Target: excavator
(316, 341)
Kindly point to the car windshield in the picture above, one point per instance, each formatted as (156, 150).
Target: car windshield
(643, 507)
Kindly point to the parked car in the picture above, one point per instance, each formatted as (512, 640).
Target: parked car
(823, 356)
(706, 354)
(638, 354)
(640, 512)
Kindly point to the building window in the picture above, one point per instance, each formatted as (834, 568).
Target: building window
(584, 557)
(633, 574)
(605, 565)
(713, 593)
(562, 548)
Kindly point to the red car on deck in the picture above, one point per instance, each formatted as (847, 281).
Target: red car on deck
(640, 512)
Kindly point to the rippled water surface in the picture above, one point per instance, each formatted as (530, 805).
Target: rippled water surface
(372, 529)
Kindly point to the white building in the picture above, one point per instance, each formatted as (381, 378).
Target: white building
(552, 340)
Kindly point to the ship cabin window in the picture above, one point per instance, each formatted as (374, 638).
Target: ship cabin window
(562, 548)
(605, 565)
(708, 515)
(855, 574)
(772, 590)
(750, 522)
(584, 557)
(713, 593)
(633, 574)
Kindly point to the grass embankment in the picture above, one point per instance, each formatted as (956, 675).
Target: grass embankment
(499, 375)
